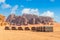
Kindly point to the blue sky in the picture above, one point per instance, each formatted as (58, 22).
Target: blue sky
(38, 7)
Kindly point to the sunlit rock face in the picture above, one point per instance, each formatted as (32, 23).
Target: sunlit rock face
(45, 20)
(31, 18)
(28, 19)
(2, 18)
(35, 19)
(18, 20)
(10, 18)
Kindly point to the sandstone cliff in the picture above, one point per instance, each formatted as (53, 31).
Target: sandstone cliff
(26, 19)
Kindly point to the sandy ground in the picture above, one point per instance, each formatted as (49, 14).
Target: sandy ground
(29, 35)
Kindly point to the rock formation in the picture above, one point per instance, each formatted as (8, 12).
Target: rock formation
(2, 20)
(28, 19)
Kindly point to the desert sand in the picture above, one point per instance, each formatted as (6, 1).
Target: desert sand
(29, 35)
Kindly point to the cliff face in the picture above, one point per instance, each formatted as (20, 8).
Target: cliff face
(18, 20)
(10, 18)
(34, 19)
(28, 19)
(2, 18)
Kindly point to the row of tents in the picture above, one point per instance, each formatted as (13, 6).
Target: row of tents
(34, 29)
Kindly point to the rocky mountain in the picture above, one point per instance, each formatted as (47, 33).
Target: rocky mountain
(10, 18)
(18, 20)
(28, 19)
